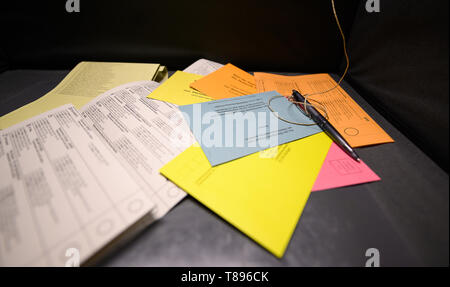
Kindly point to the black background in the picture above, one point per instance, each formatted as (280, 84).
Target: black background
(258, 35)
(399, 57)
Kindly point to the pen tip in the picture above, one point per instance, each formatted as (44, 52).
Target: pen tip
(358, 159)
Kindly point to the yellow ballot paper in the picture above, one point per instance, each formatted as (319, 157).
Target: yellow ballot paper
(262, 194)
(176, 90)
(86, 81)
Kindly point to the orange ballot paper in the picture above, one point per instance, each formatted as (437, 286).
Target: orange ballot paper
(352, 122)
(227, 82)
(339, 170)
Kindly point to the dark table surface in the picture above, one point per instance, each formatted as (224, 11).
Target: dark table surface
(405, 215)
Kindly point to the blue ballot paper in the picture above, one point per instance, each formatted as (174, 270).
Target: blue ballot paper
(231, 128)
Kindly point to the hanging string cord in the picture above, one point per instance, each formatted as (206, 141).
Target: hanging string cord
(310, 102)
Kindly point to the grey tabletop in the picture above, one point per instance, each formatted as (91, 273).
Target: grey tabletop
(405, 215)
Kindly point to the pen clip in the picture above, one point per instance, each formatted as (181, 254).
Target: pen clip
(298, 103)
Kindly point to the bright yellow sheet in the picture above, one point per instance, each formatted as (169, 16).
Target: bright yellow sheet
(261, 196)
(176, 90)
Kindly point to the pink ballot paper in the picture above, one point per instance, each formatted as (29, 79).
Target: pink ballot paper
(339, 170)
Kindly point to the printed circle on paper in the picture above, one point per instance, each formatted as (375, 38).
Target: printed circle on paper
(173, 192)
(351, 131)
(135, 205)
(105, 227)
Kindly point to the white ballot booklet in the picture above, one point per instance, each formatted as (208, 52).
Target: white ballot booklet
(73, 184)
(144, 134)
(203, 67)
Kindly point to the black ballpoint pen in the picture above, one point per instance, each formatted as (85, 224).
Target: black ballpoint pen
(323, 123)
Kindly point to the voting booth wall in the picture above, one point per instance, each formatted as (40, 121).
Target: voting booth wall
(405, 43)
